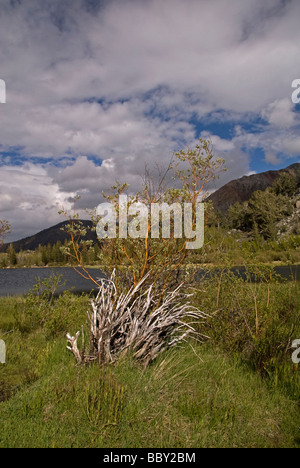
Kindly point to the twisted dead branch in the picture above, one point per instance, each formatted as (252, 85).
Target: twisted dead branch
(136, 322)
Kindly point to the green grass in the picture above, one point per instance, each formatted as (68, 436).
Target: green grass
(256, 321)
(222, 246)
(211, 395)
(181, 401)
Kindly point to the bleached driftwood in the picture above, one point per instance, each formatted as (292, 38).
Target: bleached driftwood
(72, 340)
(138, 322)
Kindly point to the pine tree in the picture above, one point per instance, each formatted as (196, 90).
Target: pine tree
(45, 257)
(12, 256)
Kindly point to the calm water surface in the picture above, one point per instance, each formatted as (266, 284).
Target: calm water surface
(20, 280)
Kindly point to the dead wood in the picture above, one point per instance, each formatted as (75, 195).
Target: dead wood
(136, 321)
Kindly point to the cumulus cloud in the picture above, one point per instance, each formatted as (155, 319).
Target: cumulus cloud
(280, 113)
(30, 199)
(97, 89)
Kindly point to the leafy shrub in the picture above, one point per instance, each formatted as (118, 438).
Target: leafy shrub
(257, 319)
(43, 308)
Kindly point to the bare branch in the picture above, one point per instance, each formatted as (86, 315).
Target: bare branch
(137, 322)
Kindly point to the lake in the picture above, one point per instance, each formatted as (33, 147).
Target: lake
(17, 281)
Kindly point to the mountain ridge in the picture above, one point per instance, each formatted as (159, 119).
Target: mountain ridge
(240, 190)
(50, 235)
(237, 190)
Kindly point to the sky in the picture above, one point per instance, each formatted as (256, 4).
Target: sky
(97, 89)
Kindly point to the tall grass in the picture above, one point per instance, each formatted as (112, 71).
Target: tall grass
(180, 401)
(240, 389)
(257, 320)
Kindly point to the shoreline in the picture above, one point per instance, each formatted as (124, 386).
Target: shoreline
(189, 265)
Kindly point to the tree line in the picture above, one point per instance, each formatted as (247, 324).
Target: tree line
(265, 209)
(46, 255)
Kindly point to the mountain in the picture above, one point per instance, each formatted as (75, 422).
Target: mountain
(49, 236)
(240, 190)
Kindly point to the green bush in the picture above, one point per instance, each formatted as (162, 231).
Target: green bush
(43, 308)
(257, 319)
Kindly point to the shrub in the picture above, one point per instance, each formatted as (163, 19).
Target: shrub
(257, 318)
(43, 308)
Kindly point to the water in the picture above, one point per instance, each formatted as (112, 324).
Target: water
(20, 281)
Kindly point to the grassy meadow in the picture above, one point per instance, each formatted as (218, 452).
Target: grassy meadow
(238, 389)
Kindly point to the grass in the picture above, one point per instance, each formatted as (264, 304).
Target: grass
(255, 320)
(221, 247)
(179, 402)
(211, 395)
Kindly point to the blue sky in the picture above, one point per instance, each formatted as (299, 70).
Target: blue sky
(97, 89)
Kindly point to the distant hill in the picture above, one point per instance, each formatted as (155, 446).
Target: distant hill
(240, 190)
(49, 236)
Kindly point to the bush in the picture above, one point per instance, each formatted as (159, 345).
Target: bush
(257, 319)
(43, 308)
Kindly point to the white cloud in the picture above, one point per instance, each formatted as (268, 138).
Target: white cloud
(128, 82)
(291, 145)
(30, 199)
(272, 158)
(237, 56)
(219, 144)
(280, 145)
(280, 113)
